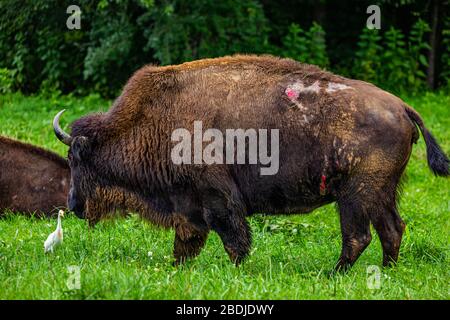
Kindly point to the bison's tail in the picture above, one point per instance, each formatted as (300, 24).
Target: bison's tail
(437, 160)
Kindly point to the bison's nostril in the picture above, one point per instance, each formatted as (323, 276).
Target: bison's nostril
(75, 207)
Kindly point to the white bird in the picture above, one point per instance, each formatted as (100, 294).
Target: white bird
(56, 237)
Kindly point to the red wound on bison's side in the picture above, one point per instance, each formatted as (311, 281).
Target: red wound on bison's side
(291, 93)
(323, 186)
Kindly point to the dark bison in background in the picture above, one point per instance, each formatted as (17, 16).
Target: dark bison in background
(341, 140)
(32, 180)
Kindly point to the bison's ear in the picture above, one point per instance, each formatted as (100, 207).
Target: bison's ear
(81, 148)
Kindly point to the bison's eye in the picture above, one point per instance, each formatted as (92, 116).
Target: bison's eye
(81, 148)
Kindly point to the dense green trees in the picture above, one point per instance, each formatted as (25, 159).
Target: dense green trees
(39, 53)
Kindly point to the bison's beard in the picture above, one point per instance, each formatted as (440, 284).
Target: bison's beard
(111, 202)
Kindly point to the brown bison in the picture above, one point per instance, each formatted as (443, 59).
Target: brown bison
(32, 180)
(340, 140)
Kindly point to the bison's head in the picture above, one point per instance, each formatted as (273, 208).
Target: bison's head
(83, 180)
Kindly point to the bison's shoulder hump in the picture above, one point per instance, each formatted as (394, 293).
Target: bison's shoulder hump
(264, 63)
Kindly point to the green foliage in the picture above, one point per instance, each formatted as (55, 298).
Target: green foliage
(368, 56)
(295, 44)
(117, 37)
(109, 53)
(188, 30)
(417, 48)
(6, 80)
(392, 60)
(45, 55)
(305, 46)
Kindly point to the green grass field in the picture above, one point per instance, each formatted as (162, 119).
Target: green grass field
(291, 257)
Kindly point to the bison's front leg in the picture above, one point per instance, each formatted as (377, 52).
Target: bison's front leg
(188, 242)
(235, 235)
(227, 217)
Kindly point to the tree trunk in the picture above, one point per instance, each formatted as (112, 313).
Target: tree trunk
(432, 53)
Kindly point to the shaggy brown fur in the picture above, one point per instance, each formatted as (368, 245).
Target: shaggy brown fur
(32, 180)
(342, 140)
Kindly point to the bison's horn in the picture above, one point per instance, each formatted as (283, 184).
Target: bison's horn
(60, 134)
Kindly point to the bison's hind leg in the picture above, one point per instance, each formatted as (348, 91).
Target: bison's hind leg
(355, 228)
(390, 227)
(383, 213)
(370, 198)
